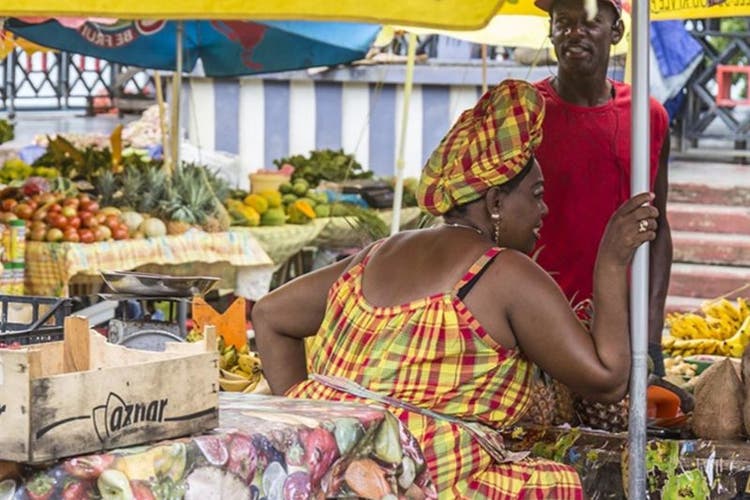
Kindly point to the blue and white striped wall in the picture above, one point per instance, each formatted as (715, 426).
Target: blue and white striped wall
(357, 109)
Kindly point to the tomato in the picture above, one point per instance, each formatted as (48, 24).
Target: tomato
(8, 204)
(71, 235)
(32, 203)
(60, 221)
(88, 220)
(23, 211)
(74, 222)
(112, 222)
(71, 202)
(92, 206)
(54, 234)
(86, 235)
(54, 208)
(120, 233)
(83, 197)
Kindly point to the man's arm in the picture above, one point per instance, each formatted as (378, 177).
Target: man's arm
(661, 261)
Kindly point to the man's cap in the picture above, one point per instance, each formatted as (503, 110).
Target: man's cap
(546, 5)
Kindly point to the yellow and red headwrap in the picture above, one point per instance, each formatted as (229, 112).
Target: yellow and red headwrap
(486, 147)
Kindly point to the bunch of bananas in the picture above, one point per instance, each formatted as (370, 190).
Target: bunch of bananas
(724, 329)
(239, 369)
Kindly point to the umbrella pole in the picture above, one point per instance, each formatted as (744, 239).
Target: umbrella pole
(399, 188)
(484, 68)
(640, 159)
(174, 119)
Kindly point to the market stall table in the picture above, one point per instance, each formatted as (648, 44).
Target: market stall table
(266, 447)
(51, 268)
(693, 468)
(283, 242)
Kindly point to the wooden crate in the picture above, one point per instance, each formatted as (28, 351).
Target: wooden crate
(83, 394)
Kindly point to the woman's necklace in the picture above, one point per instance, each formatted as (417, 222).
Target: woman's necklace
(465, 226)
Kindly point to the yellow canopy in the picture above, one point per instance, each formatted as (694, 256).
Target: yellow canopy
(661, 10)
(513, 31)
(448, 14)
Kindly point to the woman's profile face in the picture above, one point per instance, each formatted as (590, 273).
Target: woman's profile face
(522, 212)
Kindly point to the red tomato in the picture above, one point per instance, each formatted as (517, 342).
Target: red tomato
(120, 233)
(112, 222)
(86, 235)
(59, 221)
(71, 235)
(71, 202)
(8, 204)
(54, 208)
(74, 222)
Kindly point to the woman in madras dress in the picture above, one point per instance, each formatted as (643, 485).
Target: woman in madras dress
(444, 325)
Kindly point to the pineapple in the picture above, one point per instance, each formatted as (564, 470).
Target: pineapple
(132, 187)
(541, 407)
(609, 417)
(155, 180)
(551, 403)
(107, 186)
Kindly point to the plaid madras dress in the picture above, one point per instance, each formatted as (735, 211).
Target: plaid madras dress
(433, 353)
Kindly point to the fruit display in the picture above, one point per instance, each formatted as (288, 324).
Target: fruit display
(723, 328)
(58, 217)
(240, 370)
(185, 198)
(6, 131)
(15, 169)
(676, 366)
(324, 165)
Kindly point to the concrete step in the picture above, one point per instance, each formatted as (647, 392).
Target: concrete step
(711, 248)
(708, 218)
(707, 281)
(711, 183)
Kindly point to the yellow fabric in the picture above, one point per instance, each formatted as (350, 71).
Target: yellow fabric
(453, 14)
(523, 30)
(660, 9)
(486, 147)
(8, 42)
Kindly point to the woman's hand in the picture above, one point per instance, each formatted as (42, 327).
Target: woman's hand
(631, 225)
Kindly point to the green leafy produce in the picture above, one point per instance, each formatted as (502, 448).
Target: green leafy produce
(324, 165)
(6, 131)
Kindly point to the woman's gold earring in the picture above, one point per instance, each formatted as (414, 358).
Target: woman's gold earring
(496, 222)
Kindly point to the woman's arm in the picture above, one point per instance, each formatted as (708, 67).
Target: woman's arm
(283, 318)
(595, 365)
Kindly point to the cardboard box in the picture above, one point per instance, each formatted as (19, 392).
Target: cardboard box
(83, 394)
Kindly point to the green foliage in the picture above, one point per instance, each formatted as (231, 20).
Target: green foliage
(6, 131)
(324, 165)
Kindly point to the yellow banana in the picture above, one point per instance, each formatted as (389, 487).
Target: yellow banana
(743, 307)
(249, 363)
(735, 345)
(233, 385)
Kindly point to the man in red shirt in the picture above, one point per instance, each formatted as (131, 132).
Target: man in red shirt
(585, 156)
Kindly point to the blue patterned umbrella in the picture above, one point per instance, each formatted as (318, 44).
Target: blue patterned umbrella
(225, 48)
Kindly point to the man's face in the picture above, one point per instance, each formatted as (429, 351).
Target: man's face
(582, 46)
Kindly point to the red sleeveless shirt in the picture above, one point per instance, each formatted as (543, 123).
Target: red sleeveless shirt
(585, 159)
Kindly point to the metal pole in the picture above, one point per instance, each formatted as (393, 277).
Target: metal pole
(399, 188)
(640, 159)
(174, 119)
